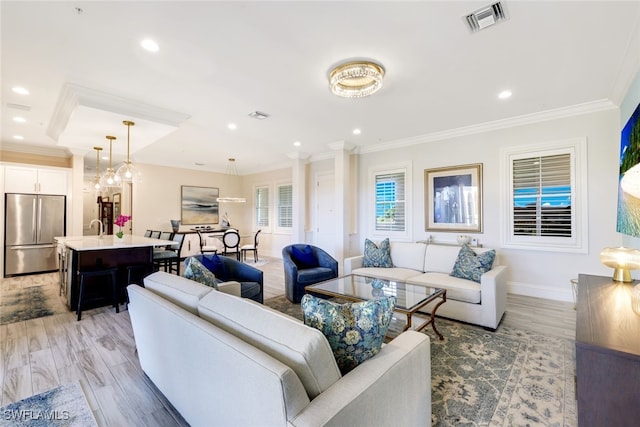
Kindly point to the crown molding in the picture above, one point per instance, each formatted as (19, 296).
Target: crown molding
(629, 68)
(543, 116)
(35, 149)
(72, 95)
(298, 155)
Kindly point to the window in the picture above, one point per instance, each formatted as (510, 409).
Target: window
(545, 201)
(262, 206)
(285, 206)
(390, 202)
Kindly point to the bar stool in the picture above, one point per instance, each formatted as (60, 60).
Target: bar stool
(99, 271)
(135, 275)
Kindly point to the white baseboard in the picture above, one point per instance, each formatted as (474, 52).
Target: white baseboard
(539, 291)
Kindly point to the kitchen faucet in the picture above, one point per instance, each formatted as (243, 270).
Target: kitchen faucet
(101, 229)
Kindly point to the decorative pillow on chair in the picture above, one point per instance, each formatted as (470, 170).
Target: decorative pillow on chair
(470, 265)
(215, 265)
(355, 331)
(375, 256)
(304, 258)
(194, 270)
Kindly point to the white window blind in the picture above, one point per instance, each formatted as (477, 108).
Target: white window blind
(390, 201)
(262, 206)
(542, 204)
(285, 206)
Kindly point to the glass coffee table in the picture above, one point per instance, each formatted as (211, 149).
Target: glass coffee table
(410, 298)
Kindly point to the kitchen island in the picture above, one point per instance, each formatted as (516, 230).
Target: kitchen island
(84, 252)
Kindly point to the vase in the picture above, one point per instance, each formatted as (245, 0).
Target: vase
(118, 240)
(175, 225)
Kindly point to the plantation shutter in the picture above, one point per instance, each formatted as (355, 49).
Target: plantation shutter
(285, 206)
(262, 206)
(390, 201)
(542, 196)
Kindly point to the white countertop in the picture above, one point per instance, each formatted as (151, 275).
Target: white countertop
(92, 243)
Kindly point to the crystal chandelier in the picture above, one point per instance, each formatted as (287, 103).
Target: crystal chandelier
(232, 171)
(97, 180)
(356, 79)
(109, 177)
(128, 172)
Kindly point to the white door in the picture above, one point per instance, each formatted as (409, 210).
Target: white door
(52, 181)
(325, 235)
(20, 180)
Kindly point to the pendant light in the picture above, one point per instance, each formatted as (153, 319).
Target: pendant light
(109, 178)
(97, 180)
(128, 172)
(231, 172)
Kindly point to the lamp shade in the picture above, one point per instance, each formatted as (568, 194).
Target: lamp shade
(622, 260)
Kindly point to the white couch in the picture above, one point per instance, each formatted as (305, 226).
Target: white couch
(224, 360)
(481, 303)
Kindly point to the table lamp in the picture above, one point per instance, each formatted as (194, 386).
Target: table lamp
(622, 260)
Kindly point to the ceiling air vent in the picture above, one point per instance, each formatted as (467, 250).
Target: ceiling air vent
(258, 115)
(18, 107)
(485, 17)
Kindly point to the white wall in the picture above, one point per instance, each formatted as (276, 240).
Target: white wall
(531, 272)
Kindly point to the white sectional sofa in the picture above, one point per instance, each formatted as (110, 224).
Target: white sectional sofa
(481, 303)
(228, 361)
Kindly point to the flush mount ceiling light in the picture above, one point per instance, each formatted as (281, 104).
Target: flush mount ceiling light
(232, 171)
(356, 79)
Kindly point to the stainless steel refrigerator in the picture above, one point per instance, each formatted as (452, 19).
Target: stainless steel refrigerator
(31, 222)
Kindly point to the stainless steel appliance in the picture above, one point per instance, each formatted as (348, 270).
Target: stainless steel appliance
(31, 222)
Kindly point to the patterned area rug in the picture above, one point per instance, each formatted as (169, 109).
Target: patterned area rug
(29, 297)
(510, 377)
(65, 405)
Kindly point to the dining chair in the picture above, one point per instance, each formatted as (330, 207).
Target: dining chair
(251, 248)
(231, 242)
(204, 248)
(155, 234)
(147, 233)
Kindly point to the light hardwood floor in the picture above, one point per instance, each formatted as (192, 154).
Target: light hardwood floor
(99, 352)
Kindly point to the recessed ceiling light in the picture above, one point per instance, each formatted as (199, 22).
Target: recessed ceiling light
(232, 126)
(19, 119)
(19, 137)
(150, 45)
(357, 131)
(20, 90)
(297, 143)
(505, 94)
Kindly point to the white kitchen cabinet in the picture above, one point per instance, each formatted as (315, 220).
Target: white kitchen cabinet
(18, 179)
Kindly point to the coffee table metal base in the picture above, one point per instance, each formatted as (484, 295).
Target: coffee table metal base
(442, 294)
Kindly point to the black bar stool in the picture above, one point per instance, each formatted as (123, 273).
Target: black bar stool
(135, 275)
(98, 271)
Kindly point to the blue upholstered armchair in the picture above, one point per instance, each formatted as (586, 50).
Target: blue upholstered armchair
(227, 269)
(305, 265)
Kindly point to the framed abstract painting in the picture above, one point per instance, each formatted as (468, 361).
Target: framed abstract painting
(199, 205)
(453, 198)
(628, 221)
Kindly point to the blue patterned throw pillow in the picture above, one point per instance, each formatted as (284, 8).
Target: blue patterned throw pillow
(194, 270)
(472, 266)
(355, 331)
(377, 256)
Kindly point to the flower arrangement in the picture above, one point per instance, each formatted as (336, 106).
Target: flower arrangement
(120, 222)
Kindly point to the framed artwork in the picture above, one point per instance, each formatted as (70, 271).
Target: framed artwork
(116, 205)
(199, 205)
(453, 198)
(628, 218)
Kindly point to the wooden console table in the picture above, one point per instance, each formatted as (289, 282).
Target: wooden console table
(607, 353)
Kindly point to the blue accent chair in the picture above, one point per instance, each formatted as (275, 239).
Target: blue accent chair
(251, 279)
(297, 277)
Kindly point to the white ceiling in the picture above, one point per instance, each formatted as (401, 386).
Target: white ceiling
(219, 61)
